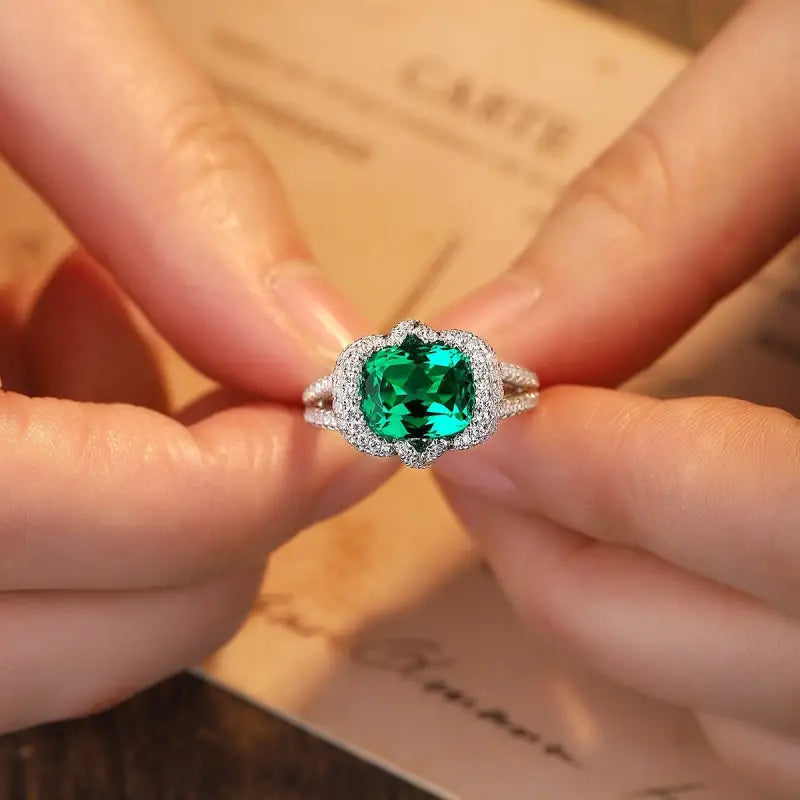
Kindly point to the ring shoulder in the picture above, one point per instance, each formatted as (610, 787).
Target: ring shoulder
(321, 417)
(319, 391)
(518, 403)
(518, 377)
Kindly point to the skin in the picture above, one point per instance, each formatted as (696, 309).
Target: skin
(134, 535)
(659, 541)
(677, 572)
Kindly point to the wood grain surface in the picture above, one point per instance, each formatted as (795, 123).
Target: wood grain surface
(187, 739)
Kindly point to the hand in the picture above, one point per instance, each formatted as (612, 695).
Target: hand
(658, 540)
(131, 542)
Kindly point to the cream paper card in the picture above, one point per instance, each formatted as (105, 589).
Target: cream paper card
(420, 144)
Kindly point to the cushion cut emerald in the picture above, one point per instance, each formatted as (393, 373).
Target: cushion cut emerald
(417, 391)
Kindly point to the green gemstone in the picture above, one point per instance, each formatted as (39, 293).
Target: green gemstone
(417, 391)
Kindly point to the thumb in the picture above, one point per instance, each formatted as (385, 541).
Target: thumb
(685, 206)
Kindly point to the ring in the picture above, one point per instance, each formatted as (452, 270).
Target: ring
(417, 393)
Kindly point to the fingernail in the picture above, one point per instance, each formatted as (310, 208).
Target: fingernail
(308, 307)
(477, 473)
(495, 308)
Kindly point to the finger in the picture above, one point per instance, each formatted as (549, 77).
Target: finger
(687, 204)
(68, 654)
(771, 761)
(115, 496)
(641, 621)
(173, 197)
(14, 304)
(82, 343)
(709, 484)
(349, 478)
(211, 403)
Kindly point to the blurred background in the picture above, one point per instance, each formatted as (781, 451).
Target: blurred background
(187, 738)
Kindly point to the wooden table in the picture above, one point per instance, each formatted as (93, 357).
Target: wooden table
(187, 739)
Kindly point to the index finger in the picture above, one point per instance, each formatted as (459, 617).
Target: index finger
(686, 205)
(134, 149)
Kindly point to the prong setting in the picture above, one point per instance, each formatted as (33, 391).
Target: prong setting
(420, 460)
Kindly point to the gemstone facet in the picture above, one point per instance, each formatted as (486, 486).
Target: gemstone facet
(417, 391)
